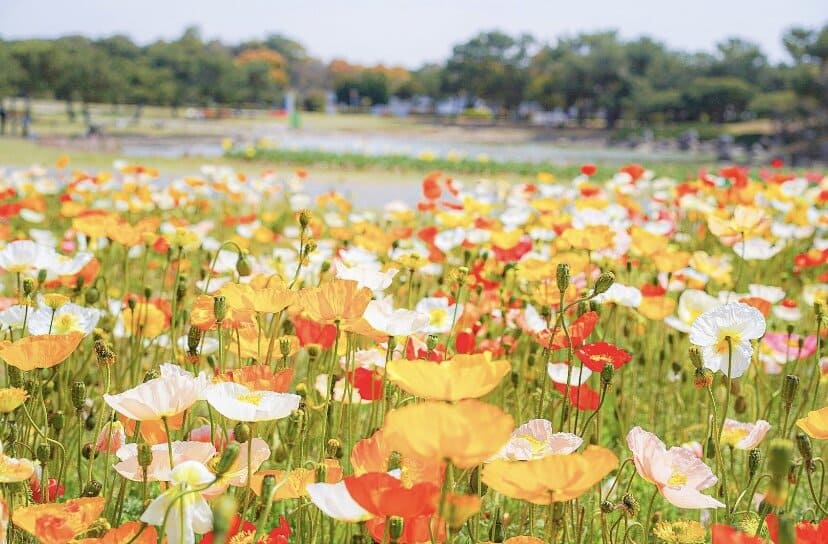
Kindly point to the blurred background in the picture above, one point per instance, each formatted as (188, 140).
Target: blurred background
(527, 84)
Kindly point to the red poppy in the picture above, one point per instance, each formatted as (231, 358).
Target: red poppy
(465, 342)
(596, 355)
(806, 532)
(278, 535)
(383, 495)
(427, 234)
(311, 332)
(582, 397)
(367, 382)
(777, 163)
(588, 169)
(431, 186)
(420, 352)
(650, 290)
(634, 170)
(514, 253)
(54, 491)
(725, 534)
(579, 330)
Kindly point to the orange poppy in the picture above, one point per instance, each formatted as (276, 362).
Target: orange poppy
(419, 530)
(55, 523)
(260, 378)
(153, 431)
(43, 351)
(466, 433)
(334, 300)
(381, 494)
(579, 330)
(461, 377)
(146, 320)
(555, 478)
(125, 534)
(373, 454)
(239, 310)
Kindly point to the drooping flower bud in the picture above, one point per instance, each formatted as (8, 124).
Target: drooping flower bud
(562, 277)
(92, 489)
(790, 386)
(228, 457)
(604, 282)
(219, 307)
(243, 266)
(242, 432)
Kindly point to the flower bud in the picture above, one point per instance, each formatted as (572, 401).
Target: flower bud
(607, 374)
(631, 504)
(803, 444)
(296, 424)
(44, 453)
(28, 286)
(42, 274)
(228, 457)
(562, 277)
(144, 455)
(431, 342)
(703, 378)
(242, 432)
(696, 356)
(57, 421)
(790, 385)
(219, 307)
(754, 462)
(243, 266)
(394, 461)
(104, 354)
(313, 351)
(78, 395)
(325, 266)
(304, 218)
(151, 374)
(395, 528)
(604, 282)
(132, 303)
(740, 406)
(88, 451)
(91, 296)
(193, 339)
(92, 489)
(607, 507)
(333, 448)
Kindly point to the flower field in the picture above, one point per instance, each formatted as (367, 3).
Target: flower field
(224, 357)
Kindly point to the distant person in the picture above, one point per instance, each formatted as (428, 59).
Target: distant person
(27, 120)
(2, 120)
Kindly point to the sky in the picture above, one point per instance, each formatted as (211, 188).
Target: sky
(412, 32)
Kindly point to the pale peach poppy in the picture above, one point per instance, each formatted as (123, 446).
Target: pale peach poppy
(170, 394)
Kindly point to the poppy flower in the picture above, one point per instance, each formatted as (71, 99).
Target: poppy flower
(725, 534)
(159, 467)
(334, 300)
(579, 330)
(815, 424)
(588, 169)
(433, 430)
(461, 377)
(383, 495)
(293, 484)
(170, 394)
(367, 382)
(11, 398)
(53, 523)
(582, 396)
(556, 478)
(259, 378)
(679, 475)
(805, 531)
(191, 515)
(535, 440)
(53, 490)
(43, 351)
(239, 403)
(431, 186)
(131, 532)
(594, 356)
(145, 320)
(311, 332)
(744, 436)
(372, 454)
(382, 316)
(242, 530)
(738, 322)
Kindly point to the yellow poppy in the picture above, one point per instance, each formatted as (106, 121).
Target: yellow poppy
(334, 300)
(54, 523)
(815, 424)
(461, 377)
(555, 478)
(42, 351)
(466, 433)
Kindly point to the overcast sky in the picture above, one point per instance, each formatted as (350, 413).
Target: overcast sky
(411, 32)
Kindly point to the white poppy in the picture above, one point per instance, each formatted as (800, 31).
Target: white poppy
(739, 322)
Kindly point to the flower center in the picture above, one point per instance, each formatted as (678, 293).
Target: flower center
(437, 315)
(722, 344)
(65, 323)
(250, 398)
(677, 479)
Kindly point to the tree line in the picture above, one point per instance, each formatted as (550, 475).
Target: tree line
(593, 74)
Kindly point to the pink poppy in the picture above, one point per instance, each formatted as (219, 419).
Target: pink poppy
(679, 475)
